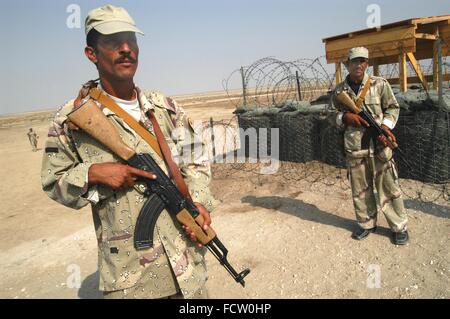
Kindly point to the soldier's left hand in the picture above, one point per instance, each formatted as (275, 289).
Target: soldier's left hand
(204, 212)
(383, 140)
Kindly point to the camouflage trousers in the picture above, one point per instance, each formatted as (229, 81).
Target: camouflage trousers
(137, 292)
(33, 143)
(367, 172)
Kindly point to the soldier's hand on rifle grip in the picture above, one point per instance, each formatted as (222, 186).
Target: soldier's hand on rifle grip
(207, 222)
(116, 175)
(383, 140)
(352, 119)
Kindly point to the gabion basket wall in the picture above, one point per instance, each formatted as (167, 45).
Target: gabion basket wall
(424, 136)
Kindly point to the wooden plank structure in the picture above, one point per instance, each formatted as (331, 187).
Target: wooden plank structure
(413, 39)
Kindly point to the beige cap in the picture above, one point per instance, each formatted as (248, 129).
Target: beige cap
(358, 52)
(110, 19)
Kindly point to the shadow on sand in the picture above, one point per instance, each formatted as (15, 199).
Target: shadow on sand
(307, 212)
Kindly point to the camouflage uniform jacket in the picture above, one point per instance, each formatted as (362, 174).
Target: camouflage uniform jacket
(379, 101)
(174, 262)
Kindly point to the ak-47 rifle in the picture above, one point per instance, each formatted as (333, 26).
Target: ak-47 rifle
(161, 192)
(347, 101)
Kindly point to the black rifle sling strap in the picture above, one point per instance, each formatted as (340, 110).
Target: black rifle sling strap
(158, 144)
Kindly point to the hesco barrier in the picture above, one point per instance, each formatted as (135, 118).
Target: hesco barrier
(331, 145)
(299, 136)
(424, 136)
(256, 122)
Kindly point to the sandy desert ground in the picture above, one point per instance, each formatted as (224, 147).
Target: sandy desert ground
(295, 236)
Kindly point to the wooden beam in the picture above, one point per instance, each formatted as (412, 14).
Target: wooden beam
(376, 68)
(430, 28)
(422, 52)
(414, 35)
(436, 54)
(415, 79)
(338, 72)
(418, 70)
(376, 50)
(403, 23)
(402, 74)
(392, 35)
(435, 66)
(440, 80)
(432, 19)
(425, 36)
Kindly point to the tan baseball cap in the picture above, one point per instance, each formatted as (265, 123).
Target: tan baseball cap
(358, 52)
(110, 19)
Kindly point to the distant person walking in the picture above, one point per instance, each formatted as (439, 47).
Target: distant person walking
(33, 137)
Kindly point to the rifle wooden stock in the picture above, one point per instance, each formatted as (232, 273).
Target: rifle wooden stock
(91, 119)
(345, 99)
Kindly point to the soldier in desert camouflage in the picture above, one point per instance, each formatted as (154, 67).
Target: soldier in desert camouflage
(33, 138)
(369, 160)
(77, 171)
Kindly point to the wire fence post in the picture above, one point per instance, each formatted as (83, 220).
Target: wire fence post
(440, 90)
(244, 89)
(211, 125)
(298, 86)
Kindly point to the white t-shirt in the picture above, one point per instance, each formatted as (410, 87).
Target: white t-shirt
(132, 107)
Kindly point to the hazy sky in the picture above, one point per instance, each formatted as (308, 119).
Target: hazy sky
(189, 46)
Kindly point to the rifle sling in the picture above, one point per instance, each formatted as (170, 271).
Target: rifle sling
(362, 96)
(175, 172)
(109, 103)
(370, 133)
(158, 144)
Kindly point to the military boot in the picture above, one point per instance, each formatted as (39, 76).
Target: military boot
(362, 233)
(401, 238)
